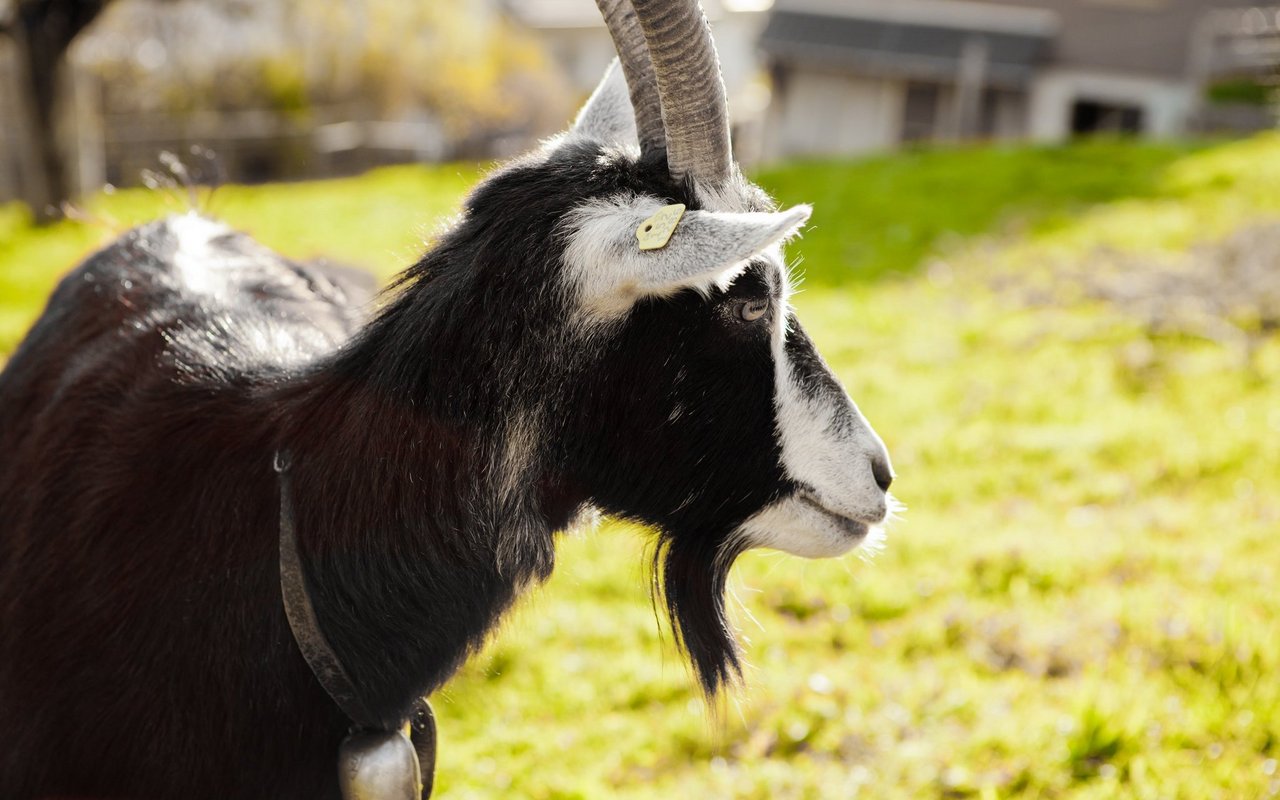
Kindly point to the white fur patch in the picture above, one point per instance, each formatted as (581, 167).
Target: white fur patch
(827, 446)
(820, 451)
(608, 272)
(796, 527)
(194, 262)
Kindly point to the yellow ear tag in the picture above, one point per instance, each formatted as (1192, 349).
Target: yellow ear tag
(655, 232)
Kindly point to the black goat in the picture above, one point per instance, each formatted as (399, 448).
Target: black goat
(536, 363)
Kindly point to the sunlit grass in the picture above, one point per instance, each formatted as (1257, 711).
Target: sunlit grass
(380, 221)
(1081, 601)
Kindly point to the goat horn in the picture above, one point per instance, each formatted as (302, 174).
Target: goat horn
(691, 89)
(633, 52)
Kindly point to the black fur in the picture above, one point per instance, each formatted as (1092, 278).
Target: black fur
(143, 648)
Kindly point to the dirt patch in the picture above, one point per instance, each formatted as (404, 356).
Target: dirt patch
(1228, 291)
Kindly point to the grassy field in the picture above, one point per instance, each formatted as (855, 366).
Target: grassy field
(1082, 599)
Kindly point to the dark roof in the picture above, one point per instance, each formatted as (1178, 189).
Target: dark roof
(901, 48)
(1140, 37)
(1135, 37)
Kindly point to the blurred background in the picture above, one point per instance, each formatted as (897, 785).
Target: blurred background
(292, 89)
(1044, 259)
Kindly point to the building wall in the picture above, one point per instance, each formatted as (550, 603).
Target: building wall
(1112, 54)
(819, 113)
(822, 113)
(1167, 105)
(1009, 116)
(825, 113)
(1138, 37)
(1002, 115)
(10, 178)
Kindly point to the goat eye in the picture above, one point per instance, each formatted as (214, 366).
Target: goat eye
(753, 310)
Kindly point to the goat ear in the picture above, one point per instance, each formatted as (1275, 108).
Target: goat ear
(607, 115)
(707, 250)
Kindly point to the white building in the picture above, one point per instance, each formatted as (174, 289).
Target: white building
(854, 76)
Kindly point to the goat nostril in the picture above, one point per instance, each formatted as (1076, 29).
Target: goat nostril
(883, 473)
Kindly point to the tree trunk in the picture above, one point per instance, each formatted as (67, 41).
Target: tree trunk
(43, 176)
(42, 30)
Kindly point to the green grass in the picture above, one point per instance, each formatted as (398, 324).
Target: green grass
(380, 221)
(884, 215)
(1081, 601)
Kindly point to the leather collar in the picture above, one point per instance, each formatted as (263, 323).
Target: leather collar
(369, 740)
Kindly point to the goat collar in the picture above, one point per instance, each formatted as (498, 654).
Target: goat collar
(374, 763)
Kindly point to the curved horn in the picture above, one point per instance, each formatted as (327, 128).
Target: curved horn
(633, 52)
(691, 89)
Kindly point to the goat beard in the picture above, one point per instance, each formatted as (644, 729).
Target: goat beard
(690, 577)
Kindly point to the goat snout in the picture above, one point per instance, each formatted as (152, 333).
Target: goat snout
(868, 497)
(879, 510)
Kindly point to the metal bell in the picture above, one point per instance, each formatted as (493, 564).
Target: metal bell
(379, 765)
